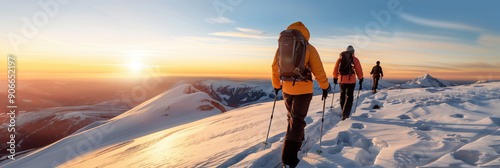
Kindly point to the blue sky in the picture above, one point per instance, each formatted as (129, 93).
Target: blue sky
(448, 39)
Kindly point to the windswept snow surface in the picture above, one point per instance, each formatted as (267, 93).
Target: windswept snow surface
(423, 127)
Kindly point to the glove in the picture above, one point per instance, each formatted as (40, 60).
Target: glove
(361, 83)
(325, 92)
(335, 80)
(276, 90)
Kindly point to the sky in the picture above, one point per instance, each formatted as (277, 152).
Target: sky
(452, 40)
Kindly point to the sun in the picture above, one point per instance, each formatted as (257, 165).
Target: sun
(136, 66)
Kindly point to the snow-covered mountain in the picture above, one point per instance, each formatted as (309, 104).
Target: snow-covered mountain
(483, 81)
(423, 81)
(238, 94)
(179, 105)
(430, 127)
(38, 128)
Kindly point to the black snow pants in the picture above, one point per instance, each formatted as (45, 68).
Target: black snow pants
(346, 98)
(375, 83)
(297, 106)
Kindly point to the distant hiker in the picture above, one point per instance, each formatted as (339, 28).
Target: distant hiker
(376, 74)
(347, 65)
(293, 63)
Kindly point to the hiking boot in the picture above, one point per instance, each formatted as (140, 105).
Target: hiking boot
(290, 150)
(288, 166)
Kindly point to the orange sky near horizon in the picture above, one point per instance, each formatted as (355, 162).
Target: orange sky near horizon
(262, 70)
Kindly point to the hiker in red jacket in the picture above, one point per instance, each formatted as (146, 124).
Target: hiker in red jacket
(376, 75)
(347, 65)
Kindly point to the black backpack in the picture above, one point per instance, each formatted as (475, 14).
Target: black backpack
(292, 47)
(346, 63)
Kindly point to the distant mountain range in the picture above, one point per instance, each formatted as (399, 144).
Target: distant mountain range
(237, 94)
(36, 129)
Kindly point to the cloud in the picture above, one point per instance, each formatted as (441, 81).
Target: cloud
(237, 34)
(201, 40)
(250, 30)
(489, 40)
(219, 20)
(424, 36)
(490, 64)
(439, 23)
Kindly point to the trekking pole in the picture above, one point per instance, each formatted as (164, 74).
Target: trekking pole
(331, 106)
(357, 98)
(321, 133)
(272, 113)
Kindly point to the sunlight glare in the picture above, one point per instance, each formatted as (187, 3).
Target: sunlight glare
(135, 66)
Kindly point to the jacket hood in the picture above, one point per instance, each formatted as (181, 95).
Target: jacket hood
(301, 27)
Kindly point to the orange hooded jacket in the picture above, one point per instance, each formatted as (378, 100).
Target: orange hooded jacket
(348, 78)
(312, 60)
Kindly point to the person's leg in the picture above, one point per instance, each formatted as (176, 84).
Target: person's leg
(298, 106)
(342, 96)
(349, 99)
(376, 83)
(296, 117)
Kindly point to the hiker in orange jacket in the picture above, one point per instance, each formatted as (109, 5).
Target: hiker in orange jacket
(347, 79)
(297, 96)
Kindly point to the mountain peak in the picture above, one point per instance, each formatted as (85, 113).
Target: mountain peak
(426, 80)
(425, 76)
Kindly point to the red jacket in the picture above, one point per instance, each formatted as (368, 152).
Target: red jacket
(348, 78)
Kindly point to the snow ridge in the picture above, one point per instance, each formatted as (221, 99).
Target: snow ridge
(425, 80)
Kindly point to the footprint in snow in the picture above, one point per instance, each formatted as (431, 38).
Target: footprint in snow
(423, 127)
(357, 125)
(309, 120)
(468, 156)
(457, 116)
(365, 115)
(335, 149)
(404, 117)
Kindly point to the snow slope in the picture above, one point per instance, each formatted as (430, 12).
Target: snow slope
(179, 105)
(427, 127)
(42, 127)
